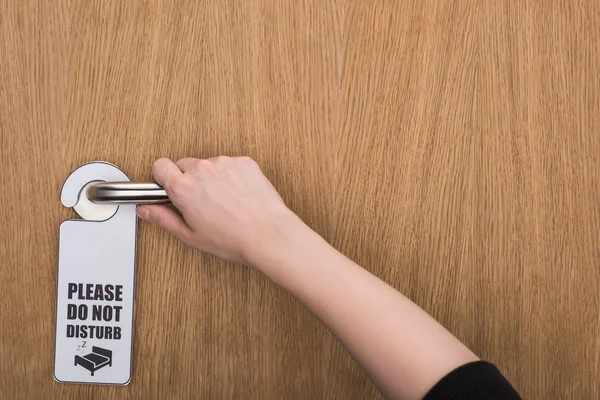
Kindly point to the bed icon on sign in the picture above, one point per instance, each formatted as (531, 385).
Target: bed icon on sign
(98, 358)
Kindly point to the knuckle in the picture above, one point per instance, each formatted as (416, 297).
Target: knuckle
(222, 160)
(200, 164)
(160, 161)
(186, 239)
(248, 160)
(159, 220)
(176, 184)
(218, 164)
(156, 165)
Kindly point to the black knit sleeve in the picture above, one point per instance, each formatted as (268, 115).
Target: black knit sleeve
(477, 380)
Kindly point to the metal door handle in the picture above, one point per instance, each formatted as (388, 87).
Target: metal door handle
(127, 193)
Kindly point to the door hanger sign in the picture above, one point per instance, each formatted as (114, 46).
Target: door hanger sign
(96, 265)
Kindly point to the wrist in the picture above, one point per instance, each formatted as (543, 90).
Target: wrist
(276, 238)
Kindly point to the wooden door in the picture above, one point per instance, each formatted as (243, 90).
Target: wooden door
(450, 147)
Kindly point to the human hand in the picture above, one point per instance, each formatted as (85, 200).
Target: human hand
(228, 207)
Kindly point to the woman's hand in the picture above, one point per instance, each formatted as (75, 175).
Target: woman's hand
(228, 207)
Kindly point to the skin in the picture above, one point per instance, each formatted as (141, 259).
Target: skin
(230, 209)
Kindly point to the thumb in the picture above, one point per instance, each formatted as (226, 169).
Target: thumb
(167, 219)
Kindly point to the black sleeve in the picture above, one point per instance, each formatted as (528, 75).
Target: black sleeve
(477, 380)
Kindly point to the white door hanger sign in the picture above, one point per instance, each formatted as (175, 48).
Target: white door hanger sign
(96, 274)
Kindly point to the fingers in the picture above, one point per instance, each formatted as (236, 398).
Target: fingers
(167, 219)
(194, 164)
(164, 171)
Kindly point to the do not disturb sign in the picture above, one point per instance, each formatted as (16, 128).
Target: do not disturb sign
(94, 308)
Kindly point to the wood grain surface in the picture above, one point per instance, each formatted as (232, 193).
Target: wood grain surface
(450, 147)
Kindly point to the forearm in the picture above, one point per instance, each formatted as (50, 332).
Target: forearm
(402, 348)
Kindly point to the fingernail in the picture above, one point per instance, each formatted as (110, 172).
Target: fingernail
(143, 212)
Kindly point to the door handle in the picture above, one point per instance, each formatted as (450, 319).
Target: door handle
(127, 193)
